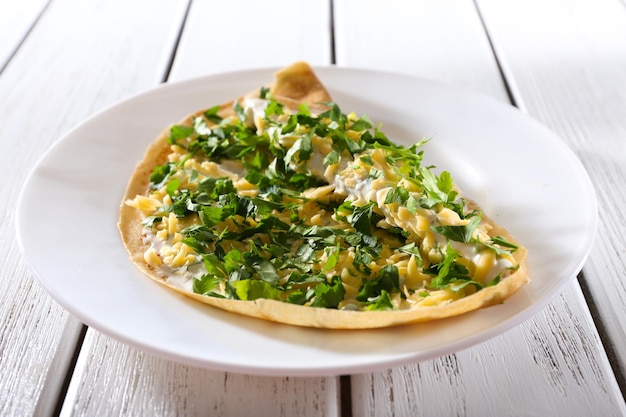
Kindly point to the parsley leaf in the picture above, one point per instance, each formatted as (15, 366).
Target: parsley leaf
(273, 108)
(388, 280)
(451, 274)
(172, 186)
(397, 195)
(329, 295)
(301, 296)
(382, 302)
(363, 217)
(303, 148)
(432, 186)
(413, 249)
(332, 256)
(459, 233)
(239, 111)
(212, 116)
(178, 132)
(267, 271)
(160, 174)
(332, 157)
(361, 124)
(502, 241)
(367, 160)
(214, 265)
(150, 221)
(252, 289)
(335, 115)
(460, 285)
(205, 284)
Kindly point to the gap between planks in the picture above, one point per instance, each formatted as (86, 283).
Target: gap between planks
(12, 51)
(605, 339)
(181, 29)
(61, 369)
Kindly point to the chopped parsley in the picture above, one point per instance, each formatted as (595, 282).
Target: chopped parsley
(261, 234)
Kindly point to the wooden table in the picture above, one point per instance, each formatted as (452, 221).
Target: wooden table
(561, 61)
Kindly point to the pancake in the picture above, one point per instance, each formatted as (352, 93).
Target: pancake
(279, 206)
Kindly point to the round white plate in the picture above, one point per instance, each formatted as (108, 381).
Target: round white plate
(522, 174)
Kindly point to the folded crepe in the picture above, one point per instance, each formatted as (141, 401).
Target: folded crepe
(279, 206)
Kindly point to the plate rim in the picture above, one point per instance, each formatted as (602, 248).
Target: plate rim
(484, 335)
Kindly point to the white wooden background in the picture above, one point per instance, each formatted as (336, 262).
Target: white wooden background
(562, 61)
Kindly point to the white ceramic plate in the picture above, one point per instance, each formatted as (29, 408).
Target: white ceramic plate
(521, 173)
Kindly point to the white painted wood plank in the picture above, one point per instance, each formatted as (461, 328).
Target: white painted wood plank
(114, 379)
(423, 38)
(553, 363)
(568, 60)
(538, 369)
(61, 74)
(16, 19)
(122, 381)
(244, 34)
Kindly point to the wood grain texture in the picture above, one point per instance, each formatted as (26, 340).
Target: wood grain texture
(123, 381)
(437, 40)
(570, 73)
(565, 61)
(538, 369)
(114, 379)
(244, 34)
(559, 349)
(61, 74)
(16, 19)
